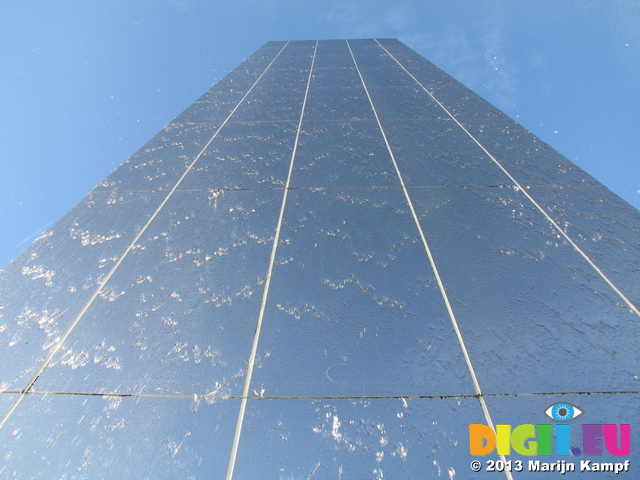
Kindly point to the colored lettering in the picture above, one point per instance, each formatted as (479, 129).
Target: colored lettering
(529, 440)
(523, 435)
(482, 439)
(592, 439)
(545, 432)
(503, 434)
(563, 439)
(611, 439)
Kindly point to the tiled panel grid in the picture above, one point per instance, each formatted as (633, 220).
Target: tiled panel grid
(329, 265)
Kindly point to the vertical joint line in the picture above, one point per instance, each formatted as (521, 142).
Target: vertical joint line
(265, 294)
(421, 232)
(56, 348)
(445, 297)
(519, 187)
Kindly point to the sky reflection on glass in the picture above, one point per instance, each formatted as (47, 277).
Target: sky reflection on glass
(398, 253)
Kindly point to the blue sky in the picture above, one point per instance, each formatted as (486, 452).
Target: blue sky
(87, 82)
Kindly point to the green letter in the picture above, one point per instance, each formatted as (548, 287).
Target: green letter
(522, 435)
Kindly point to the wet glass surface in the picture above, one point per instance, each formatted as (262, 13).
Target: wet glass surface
(6, 399)
(279, 94)
(406, 103)
(382, 72)
(333, 56)
(245, 155)
(339, 103)
(67, 436)
(362, 315)
(218, 102)
(346, 76)
(532, 311)
(162, 161)
(178, 315)
(43, 289)
(603, 225)
(211, 113)
(358, 370)
(337, 154)
(527, 158)
(431, 152)
(369, 438)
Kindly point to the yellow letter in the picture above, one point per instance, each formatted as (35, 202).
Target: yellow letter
(503, 432)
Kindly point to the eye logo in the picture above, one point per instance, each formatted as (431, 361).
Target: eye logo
(563, 412)
(531, 440)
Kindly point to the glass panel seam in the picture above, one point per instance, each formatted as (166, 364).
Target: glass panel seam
(265, 294)
(519, 187)
(55, 348)
(445, 297)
